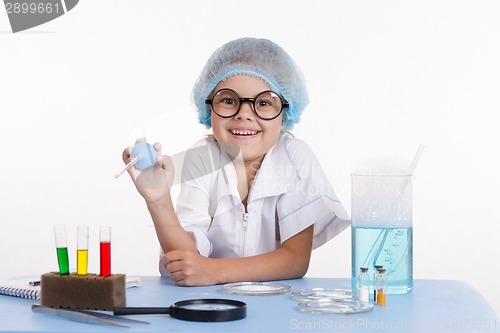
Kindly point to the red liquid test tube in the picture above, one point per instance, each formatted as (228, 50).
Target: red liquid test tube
(105, 250)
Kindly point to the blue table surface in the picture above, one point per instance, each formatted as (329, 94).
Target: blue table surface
(433, 306)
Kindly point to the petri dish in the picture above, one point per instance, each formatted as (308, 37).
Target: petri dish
(322, 293)
(325, 306)
(256, 288)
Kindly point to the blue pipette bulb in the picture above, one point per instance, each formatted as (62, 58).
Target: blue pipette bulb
(146, 153)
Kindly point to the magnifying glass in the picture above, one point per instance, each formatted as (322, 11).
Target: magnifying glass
(204, 310)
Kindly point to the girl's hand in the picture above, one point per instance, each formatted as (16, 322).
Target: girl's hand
(154, 183)
(188, 268)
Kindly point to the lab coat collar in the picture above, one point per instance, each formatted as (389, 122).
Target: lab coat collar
(276, 174)
(226, 178)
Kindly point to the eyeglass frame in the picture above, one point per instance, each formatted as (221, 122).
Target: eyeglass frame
(284, 104)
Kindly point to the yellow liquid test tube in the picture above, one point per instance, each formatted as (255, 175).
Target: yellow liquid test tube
(82, 257)
(82, 251)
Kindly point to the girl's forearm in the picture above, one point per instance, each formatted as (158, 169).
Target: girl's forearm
(169, 231)
(288, 262)
(276, 265)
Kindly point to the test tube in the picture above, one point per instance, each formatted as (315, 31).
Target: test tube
(61, 249)
(82, 251)
(105, 250)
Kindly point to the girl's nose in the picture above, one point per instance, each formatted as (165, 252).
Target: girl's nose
(246, 111)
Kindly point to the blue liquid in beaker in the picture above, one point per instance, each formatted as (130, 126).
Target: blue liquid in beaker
(389, 247)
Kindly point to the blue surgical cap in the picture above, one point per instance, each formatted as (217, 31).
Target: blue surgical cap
(260, 58)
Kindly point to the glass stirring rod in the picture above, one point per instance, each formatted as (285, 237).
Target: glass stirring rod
(143, 157)
(128, 165)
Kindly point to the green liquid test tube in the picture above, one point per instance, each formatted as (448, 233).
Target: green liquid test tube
(63, 260)
(62, 249)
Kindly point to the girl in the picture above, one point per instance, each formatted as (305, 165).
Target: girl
(254, 201)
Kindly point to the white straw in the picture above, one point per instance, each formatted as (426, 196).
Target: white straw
(416, 158)
(129, 164)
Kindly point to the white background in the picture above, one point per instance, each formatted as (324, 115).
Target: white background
(383, 76)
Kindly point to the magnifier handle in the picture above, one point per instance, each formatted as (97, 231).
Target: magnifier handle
(140, 310)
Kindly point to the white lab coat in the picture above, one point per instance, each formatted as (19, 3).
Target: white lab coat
(290, 192)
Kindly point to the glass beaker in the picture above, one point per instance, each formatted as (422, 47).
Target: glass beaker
(382, 233)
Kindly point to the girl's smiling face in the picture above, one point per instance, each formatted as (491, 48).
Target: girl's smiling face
(246, 133)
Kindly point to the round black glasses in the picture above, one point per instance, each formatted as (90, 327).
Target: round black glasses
(226, 103)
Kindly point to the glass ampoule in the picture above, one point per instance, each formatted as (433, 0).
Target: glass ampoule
(377, 268)
(363, 285)
(381, 287)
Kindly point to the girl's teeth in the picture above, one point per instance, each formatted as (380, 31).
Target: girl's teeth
(243, 132)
